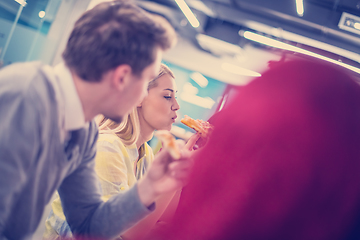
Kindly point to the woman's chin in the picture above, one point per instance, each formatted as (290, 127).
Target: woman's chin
(165, 128)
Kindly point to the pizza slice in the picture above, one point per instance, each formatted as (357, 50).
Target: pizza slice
(203, 127)
(169, 143)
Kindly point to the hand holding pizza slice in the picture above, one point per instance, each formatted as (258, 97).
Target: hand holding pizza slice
(169, 143)
(203, 130)
(200, 126)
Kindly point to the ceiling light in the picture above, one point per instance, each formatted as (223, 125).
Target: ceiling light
(199, 79)
(41, 14)
(199, 5)
(349, 23)
(280, 33)
(188, 13)
(300, 7)
(278, 44)
(189, 88)
(239, 70)
(205, 102)
(268, 41)
(357, 25)
(217, 46)
(21, 2)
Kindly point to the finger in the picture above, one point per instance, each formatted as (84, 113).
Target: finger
(185, 154)
(184, 165)
(180, 175)
(162, 157)
(180, 143)
(192, 141)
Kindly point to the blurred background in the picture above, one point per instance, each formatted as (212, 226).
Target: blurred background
(223, 44)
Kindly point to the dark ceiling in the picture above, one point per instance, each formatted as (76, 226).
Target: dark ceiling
(223, 19)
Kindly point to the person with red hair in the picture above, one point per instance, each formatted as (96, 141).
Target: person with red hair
(283, 161)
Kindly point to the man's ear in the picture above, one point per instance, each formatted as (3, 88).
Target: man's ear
(121, 76)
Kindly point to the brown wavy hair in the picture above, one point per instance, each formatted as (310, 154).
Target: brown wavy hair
(115, 33)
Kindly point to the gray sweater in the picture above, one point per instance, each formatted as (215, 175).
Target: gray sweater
(34, 163)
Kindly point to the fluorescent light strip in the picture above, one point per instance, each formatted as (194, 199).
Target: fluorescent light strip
(238, 70)
(278, 44)
(205, 102)
(199, 5)
(300, 7)
(199, 79)
(280, 33)
(188, 13)
(214, 43)
(21, 2)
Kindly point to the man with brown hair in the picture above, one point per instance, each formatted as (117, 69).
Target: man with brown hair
(48, 137)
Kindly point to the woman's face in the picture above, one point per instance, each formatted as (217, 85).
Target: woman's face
(158, 109)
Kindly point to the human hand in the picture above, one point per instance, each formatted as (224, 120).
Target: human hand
(191, 143)
(165, 174)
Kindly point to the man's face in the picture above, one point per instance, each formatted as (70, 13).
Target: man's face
(135, 90)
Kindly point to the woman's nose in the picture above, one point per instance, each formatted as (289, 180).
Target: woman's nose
(175, 106)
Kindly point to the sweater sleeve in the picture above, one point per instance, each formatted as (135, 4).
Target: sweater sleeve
(19, 145)
(111, 169)
(86, 214)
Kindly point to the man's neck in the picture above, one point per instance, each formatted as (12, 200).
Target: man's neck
(90, 95)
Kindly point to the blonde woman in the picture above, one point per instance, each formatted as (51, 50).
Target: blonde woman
(123, 154)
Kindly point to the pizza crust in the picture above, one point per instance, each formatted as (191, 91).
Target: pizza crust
(203, 127)
(169, 143)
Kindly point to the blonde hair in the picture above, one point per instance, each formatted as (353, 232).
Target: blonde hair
(163, 70)
(129, 129)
